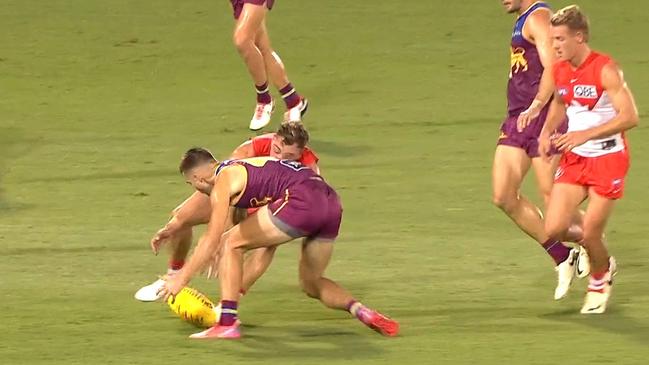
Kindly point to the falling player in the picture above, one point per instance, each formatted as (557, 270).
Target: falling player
(263, 63)
(301, 205)
(591, 91)
(288, 143)
(528, 91)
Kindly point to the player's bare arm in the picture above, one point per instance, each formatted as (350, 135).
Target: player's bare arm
(624, 104)
(229, 183)
(556, 116)
(245, 150)
(537, 28)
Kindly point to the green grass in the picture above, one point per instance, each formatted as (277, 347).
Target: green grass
(100, 98)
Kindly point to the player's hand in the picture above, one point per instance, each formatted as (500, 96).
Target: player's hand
(173, 285)
(570, 140)
(527, 116)
(212, 268)
(161, 236)
(545, 145)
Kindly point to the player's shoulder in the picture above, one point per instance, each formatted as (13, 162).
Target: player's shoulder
(263, 138)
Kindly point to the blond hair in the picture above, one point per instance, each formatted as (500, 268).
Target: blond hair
(572, 17)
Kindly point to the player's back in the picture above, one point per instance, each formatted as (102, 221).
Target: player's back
(268, 179)
(525, 66)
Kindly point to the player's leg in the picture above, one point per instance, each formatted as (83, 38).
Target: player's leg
(195, 210)
(245, 33)
(257, 230)
(255, 265)
(510, 166)
(314, 260)
(562, 206)
(295, 104)
(544, 172)
(602, 265)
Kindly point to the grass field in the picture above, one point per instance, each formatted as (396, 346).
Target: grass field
(100, 98)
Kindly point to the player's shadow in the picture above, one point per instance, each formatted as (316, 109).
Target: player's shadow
(613, 321)
(296, 343)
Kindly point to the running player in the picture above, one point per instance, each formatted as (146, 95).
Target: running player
(289, 143)
(301, 205)
(253, 43)
(591, 91)
(528, 91)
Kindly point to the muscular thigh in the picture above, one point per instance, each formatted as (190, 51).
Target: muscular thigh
(251, 19)
(598, 211)
(255, 231)
(562, 206)
(509, 168)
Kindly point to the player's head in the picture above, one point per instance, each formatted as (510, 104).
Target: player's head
(570, 31)
(197, 166)
(289, 141)
(512, 6)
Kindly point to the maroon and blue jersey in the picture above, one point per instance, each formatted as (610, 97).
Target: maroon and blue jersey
(269, 179)
(525, 67)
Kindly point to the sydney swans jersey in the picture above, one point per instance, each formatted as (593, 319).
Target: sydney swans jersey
(587, 103)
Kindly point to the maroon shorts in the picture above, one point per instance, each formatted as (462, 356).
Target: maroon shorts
(311, 209)
(528, 139)
(237, 5)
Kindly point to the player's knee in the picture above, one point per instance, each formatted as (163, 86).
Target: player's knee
(242, 40)
(505, 202)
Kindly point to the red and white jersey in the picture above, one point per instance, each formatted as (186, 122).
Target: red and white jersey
(587, 103)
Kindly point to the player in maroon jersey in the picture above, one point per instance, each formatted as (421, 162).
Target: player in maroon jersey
(295, 203)
(263, 63)
(528, 90)
(289, 143)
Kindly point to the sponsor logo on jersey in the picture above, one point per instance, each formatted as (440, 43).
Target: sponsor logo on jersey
(563, 91)
(585, 91)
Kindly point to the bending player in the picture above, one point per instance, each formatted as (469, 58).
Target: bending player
(529, 88)
(253, 43)
(289, 143)
(303, 206)
(591, 91)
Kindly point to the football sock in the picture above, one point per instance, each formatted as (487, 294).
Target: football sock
(557, 250)
(357, 309)
(228, 313)
(263, 97)
(175, 265)
(290, 96)
(597, 281)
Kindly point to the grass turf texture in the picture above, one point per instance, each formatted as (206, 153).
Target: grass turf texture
(100, 99)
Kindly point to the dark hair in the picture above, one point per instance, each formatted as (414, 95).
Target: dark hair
(194, 157)
(293, 133)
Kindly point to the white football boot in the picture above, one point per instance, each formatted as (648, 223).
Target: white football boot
(583, 263)
(600, 291)
(262, 115)
(565, 274)
(295, 113)
(149, 293)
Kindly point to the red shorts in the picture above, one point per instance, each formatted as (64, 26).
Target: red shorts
(605, 174)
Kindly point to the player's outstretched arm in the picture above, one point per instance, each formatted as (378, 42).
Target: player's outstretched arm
(538, 26)
(245, 150)
(229, 182)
